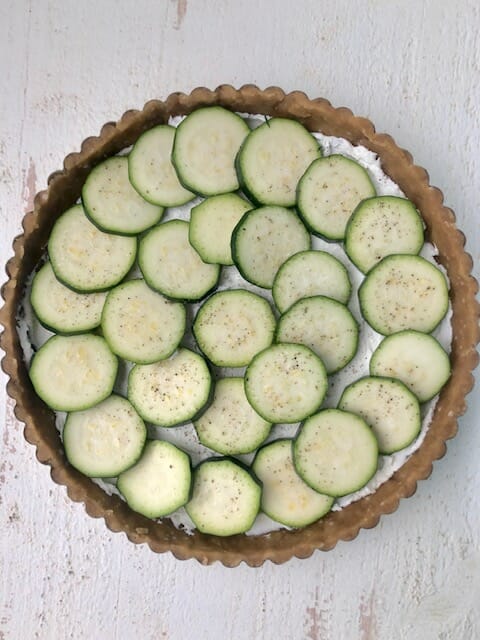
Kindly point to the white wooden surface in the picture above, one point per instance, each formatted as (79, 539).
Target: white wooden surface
(413, 67)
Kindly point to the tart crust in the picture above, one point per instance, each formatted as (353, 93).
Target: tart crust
(64, 188)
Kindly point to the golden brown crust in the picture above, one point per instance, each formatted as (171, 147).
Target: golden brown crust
(64, 188)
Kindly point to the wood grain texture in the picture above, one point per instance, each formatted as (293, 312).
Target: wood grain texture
(413, 68)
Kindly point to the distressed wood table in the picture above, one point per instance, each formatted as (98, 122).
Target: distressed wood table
(411, 66)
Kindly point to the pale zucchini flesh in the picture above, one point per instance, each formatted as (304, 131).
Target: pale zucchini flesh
(172, 391)
(106, 439)
(380, 227)
(232, 326)
(272, 160)
(151, 171)
(113, 204)
(335, 452)
(324, 325)
(404, 292)
(230, 425)
(211, 226)
(264, 239)
(171, 266)
(328, 193)
(140, 324)
(85, 258)
(286, 498)
(205, 147)
(225, 498)
(286, 383)
(310, 273)
(391, 410)
(160, 481)
(416, 359)
(72, 373)
(61, 309)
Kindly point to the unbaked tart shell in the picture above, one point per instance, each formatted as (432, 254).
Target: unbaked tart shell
(64, 188)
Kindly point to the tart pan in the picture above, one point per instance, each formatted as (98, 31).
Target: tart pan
(64, 188)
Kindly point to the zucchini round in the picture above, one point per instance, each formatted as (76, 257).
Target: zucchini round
(232, 326)
(335, 452)
(225, 498)
(106, 439)
(73, 373)
(264, 239)
(170, 392)
(286, 383)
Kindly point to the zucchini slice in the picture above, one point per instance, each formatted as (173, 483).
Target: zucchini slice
(335, 452)
(61, 309)
(264, 239)
(113, 204)
(324, 325)
(403, 292)
(388, 407)
(230, 425)
(232, 326)
(159, 483)
(416, 359)
(171, 265)
(272, 160)
(85, 258)
(328, 193)
(225, 498)
(72, 373)
(106, 439)
(211, 225)
(286, 498)
(286, 383)
(170, 392)
(151, 171)
(380, 227)
(141, 325)
(310, 273)
(204, 150)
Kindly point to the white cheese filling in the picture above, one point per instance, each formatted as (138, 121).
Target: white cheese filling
(32, 333)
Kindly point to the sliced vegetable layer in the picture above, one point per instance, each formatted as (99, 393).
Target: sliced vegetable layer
(417, 359)
(264, 239)
(85, 258)
(273, 159)
(388, 407)
(205, 147)
(380, 227)
(171, 391)
(335, 452)
(310, 273)
(171, 265)
(212, 223)
(61, 309)
(404, 292)
(159, 483)
(225, 498)
(286, 498)
(87, 286)
(325, 326)
(232, 326)
(230, 425)
(328, 193)
(72, 373)
(286, 383)
(113, 204)
(106, 439)
(151, 171)
(141, 325)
